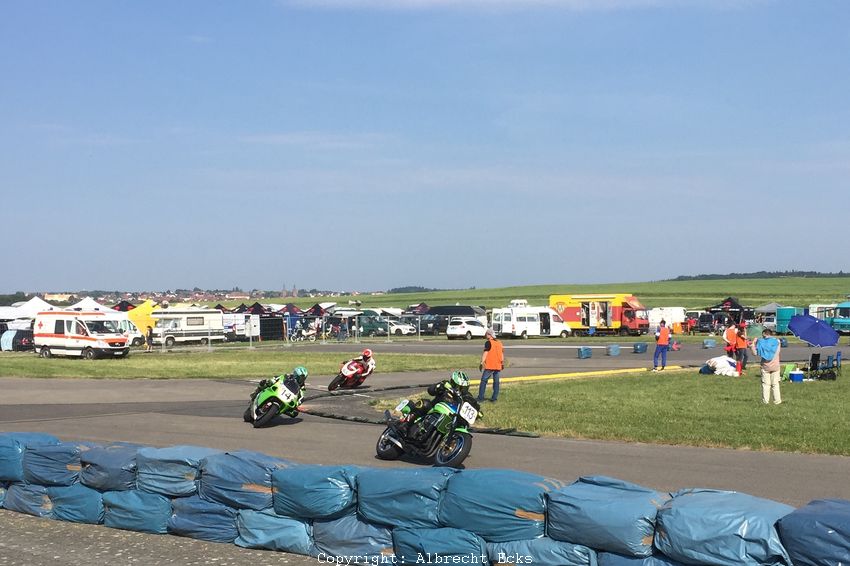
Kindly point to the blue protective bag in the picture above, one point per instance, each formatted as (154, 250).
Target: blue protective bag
(541, 551)
(351, 536)
(722, 528)
(315, 492)
(29, 499)
(109, 468)
(611, 559)
(606, 514)
(197, 518)
(12, 445)
(817, 534)
(499, 505)
(269, 531)
(439, 546)
(136, 510)
(2, 493)
(171, 471)
(54, 464)
(402, 497)
(77, 504)
(241, 479)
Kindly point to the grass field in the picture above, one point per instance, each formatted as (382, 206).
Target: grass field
(223, 363)
(792, 291)
(681, 408)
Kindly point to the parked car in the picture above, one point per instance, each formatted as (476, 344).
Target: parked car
(398, 328)
(769, 323)
(372, 326)
(23, 341)
(465, 327)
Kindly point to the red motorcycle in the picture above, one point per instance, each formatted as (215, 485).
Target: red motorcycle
(353, 372)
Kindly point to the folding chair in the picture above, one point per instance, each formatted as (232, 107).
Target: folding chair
(837, 367)
(813, 369)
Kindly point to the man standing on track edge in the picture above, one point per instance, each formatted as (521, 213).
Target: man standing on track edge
(492, 363)
(662, 343)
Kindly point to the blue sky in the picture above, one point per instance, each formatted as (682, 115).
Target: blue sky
(368, 144)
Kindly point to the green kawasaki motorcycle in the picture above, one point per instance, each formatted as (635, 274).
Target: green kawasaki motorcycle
(442, 434)
(281, 395)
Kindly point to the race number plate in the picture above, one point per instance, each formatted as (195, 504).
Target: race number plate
(402, 405)
(468, 412)
(286, 395)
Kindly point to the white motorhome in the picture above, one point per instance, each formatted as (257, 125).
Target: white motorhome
(670, 315)
(91, 334)
(187, 325)
(241, 326)
(821, 311)
(525, 321)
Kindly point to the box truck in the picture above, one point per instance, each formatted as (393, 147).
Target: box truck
(524, 321)
(619, 313)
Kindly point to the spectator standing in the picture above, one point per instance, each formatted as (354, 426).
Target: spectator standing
(730, 337)
(492, 363)
(662, 344)
(149, 339)
(741, 346)
(767, 348)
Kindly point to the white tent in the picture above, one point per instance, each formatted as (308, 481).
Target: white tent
(32, 307)
(89, 304)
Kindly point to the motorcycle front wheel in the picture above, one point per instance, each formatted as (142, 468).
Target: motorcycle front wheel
(386, 449)
(336, 382)
(264, 418)
(248, 416)
(454, 451)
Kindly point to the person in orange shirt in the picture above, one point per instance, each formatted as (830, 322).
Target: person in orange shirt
(730, 336)
(492, 363)
(741, 343)
(662, 343)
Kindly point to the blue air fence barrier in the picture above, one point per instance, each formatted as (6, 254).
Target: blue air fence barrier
(696, 526)
(783, 342)
(197, 518)
(3, 487)
(543, 550)
(267, 530)
(639, 348)
(54, 464)
(708, 344)
(818, 533)
(439, 546)
(584, 352)
(612, 350)
(172, 471)
(352, 536)
(241, 479)
(109, 468)
(12, 445)
(315, 492)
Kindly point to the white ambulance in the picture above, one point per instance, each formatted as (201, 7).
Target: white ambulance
(90, 335)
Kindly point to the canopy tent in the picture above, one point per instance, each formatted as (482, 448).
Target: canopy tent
(457, 310)
(8, 313)
(124, 306)
(769, 308)
(421, 308)
(240, 309)
(222, 308)
(32, 307)
(316, 310)
(731, 307)
(257, 308)
(89, 304)
(291, 309)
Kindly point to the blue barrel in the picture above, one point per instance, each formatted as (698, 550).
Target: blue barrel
(640, 348)
(783, 342)
(612, 349)
(708, 343)
(584, 352)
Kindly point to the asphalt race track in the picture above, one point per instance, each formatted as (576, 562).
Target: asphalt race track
(209, 413)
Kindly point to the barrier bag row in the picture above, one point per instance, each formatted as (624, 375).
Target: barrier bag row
(413, 515)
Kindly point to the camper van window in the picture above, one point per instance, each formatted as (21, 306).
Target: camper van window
(642, 315)
(59, 327)
(520, 318)
(557, 318)
(194, 321)
(507, 317)
(166, 323)
(532, 318)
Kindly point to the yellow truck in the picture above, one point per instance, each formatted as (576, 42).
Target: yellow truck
(602, 314)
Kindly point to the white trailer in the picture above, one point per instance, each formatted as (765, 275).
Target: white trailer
(526, 321)
(188, 325)
(670, 315)
(240, 326)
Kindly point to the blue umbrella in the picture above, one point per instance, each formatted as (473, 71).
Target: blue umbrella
(813, 330)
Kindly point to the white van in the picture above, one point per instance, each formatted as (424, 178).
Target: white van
(523, 322)
(78, 333)
(187, 325)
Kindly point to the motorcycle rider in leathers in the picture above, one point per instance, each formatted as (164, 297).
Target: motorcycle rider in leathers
(453, 389)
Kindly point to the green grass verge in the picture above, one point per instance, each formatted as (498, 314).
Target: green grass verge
(679, 408)
(217, 364)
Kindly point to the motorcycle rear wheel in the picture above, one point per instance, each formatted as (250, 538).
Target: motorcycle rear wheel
(454, 451)
(266, 418)
(336, 382)
(385, 449)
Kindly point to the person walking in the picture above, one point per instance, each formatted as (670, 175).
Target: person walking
(730, 337)
(149, 339)
(767, 348)
(492, 363)
(741, 346)
(662, 344)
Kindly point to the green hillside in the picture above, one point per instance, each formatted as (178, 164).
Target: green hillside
(791, 291)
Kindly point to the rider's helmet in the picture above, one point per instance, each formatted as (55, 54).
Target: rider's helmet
(367, 353)
(459, 379)
(300, 374)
